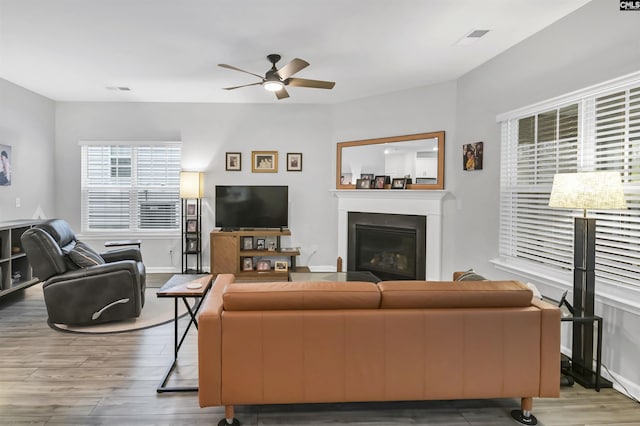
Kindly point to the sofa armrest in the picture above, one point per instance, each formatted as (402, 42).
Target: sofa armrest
(210, 344)
(549, 348)
(130, 253)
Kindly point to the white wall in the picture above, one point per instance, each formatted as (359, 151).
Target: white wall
(207, 131)
(27, 125)
(594, 44)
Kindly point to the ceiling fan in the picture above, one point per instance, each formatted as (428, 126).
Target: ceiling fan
(275, 79)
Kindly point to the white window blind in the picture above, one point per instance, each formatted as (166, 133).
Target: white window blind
(599, 130)
(133, 188)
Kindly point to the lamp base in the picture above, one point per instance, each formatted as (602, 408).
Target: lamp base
(585, 377)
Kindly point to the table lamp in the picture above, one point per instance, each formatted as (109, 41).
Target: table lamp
(586, 191)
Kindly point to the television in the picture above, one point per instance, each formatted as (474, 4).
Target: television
(252, 206)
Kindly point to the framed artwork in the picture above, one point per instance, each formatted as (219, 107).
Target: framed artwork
(399, 183)
(5, 165)
(294, 161)
(233, 161)
(192, 245)
(366, 176)
(260, 244)
(472, 156)
(381, 181)
(192, 225)
(263, 265)
(264, 161)
(363, 184)
(247, 263)
(281, 265)
(247, 243)
(191, 209)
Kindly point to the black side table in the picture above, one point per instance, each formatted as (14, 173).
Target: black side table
(181, 287)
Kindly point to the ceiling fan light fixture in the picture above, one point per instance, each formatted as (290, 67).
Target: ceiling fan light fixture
(272, 85)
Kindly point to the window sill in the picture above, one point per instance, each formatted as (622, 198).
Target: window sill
(623, 298)
(128, 236)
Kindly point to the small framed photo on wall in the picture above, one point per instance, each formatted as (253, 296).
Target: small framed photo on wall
(472, 156)
(233, 161)
(294, 161)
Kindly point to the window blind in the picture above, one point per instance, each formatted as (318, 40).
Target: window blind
(597, 131)
(130, 188)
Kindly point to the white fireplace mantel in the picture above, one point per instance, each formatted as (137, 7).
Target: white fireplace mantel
(415, 202)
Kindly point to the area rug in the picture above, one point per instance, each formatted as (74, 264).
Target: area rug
(156, 311)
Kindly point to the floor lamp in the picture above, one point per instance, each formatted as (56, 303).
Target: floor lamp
(191, 187)
(586, 190)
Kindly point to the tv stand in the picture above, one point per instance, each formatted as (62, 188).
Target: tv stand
(233, 250)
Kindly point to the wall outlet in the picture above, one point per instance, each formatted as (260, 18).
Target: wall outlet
(18, 202)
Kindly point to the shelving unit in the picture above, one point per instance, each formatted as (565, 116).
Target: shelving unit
(15, 270)
(191, 235)
(228, 253)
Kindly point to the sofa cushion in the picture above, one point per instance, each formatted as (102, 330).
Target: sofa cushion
(442, 294)
(84, 256)
(300, 295)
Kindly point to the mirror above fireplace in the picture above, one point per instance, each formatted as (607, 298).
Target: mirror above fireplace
(419, 157)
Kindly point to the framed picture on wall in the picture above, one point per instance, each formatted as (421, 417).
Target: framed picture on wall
(472, 156)
(264, 161)
(233, 161)
(5, 165)
(294, 162)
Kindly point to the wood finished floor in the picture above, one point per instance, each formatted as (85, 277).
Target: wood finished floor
(53, 378)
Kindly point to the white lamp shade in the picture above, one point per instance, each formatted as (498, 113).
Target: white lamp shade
(191, 184)
(588, 190)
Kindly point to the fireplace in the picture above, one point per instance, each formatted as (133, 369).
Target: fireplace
(391, 246)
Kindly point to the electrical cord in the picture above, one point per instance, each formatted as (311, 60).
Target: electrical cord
(626, 391)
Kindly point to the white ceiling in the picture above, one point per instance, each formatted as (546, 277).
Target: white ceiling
(168, 50)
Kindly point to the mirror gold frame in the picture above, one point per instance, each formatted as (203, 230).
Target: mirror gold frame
(392, 140)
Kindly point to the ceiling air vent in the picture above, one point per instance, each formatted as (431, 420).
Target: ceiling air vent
(471, 37)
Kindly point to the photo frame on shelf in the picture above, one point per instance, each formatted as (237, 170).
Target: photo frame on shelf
(281, 265)
(192, 245)
(191, 209)
(233, 161)
(294, 161)
(381, 181)
(261, 244)
(399, 183)
(247, 263)
(271, 245)
(263, 265)
(247, 243)
(264, 161)
(363, 184)
(366, 176)
(192, 225)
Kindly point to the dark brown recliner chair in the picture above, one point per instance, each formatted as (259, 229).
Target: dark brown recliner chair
(80, 286)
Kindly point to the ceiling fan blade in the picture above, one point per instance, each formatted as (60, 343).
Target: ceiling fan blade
(244, 85)
(231, 67)
(291, 68)
(317, 84)
(282, 93)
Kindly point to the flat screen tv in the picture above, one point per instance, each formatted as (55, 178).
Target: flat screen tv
(252, 206)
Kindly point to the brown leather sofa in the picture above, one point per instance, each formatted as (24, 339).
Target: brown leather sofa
(318, 342)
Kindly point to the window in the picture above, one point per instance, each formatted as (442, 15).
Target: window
(595, 130)
(133, 188)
